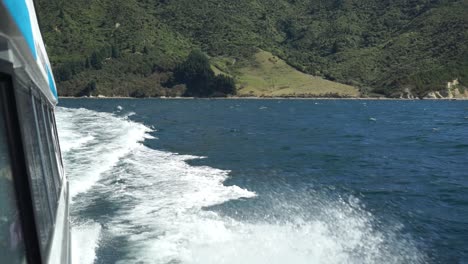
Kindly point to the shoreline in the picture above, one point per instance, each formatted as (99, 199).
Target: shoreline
(268, 98)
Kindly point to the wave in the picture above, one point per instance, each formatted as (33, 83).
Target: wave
(85, 241)
(93, 142)
(161, 208)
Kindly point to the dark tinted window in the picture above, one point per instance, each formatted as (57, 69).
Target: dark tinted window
(11, 238)
(49, 147)
(45, 155)
(43, 204)
(58, 152)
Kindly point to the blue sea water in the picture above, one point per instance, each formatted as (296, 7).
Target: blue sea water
(267, 181)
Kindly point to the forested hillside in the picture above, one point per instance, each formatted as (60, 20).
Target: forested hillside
(131, 47)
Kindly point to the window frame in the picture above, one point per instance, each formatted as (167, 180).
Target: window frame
(52, 152)
(21, 179)
(47, 170)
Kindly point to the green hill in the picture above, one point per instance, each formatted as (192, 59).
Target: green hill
(131, 47)
(270, 76)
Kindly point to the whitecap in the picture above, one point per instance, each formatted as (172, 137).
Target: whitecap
(163, 201)
(85, 241)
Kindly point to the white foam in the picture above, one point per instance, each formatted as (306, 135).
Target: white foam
(70, 138)
(167, 197)
(161, 199)
(93, 143)
(85, 241)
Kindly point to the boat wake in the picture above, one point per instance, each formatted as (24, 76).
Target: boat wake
(134, 204)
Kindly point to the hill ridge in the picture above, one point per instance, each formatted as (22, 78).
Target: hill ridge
(378, 47)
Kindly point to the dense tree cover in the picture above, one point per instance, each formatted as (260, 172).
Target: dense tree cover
(379, 46)
(196, 73)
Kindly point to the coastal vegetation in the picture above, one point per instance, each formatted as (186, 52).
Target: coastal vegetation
(336, 48)
(196, 74)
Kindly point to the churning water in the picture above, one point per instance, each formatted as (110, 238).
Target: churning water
(265, 181)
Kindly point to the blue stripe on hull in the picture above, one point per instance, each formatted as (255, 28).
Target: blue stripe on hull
(20, 13)
(51, 81)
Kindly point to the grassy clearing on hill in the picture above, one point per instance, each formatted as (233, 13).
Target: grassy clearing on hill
(269, 75)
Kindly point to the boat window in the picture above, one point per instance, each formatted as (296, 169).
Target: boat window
(58, 151)
(44, 207)
(51, 150)
(11, 238)
(45, 155)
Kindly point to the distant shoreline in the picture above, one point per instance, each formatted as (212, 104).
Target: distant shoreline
(271, 98)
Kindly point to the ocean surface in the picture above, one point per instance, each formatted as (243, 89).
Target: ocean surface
(266, 181)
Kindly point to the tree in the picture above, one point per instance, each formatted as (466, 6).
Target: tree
(63, 73)
(224, 85)
(95, 61)
(195, 72)
(115, 53)
(89, 89)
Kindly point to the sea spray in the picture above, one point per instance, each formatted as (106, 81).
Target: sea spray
(160, 208)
